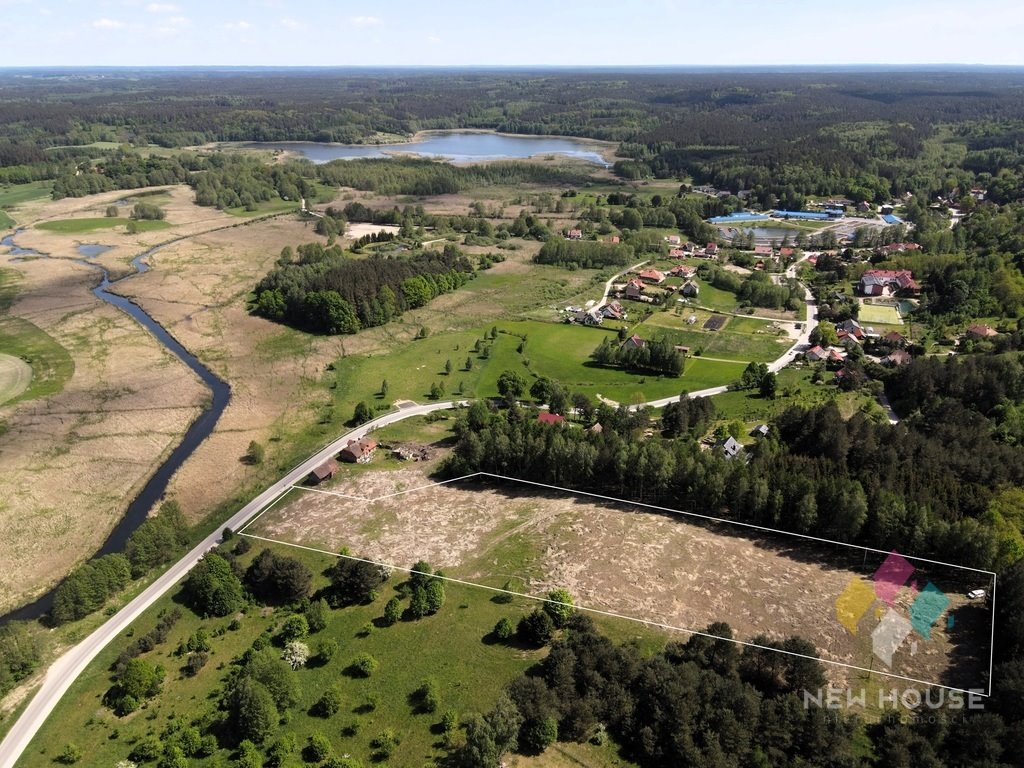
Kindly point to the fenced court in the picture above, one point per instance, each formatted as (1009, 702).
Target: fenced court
(879, 313)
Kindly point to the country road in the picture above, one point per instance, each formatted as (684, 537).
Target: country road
(65, 670)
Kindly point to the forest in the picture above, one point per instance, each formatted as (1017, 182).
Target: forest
(941, 483)
(325, 291)
(781, 135)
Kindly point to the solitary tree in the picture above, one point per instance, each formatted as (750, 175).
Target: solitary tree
(447, 367)
(296, 653)
(511, 386)
(363, 412)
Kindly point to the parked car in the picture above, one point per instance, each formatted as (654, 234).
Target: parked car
(976, 594)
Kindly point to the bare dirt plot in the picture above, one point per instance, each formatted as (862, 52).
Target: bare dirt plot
(15, 376)
(715, 322)
(612, 557)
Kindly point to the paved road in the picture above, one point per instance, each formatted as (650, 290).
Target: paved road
(68, 667)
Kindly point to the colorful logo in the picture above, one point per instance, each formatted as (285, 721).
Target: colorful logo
(893, 627)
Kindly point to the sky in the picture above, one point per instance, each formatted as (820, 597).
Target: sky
(522, 32)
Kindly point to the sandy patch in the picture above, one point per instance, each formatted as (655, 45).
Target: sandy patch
(15, 376)
(361, 229)
(611, 557)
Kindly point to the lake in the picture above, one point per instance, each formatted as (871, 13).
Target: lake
(456, 146)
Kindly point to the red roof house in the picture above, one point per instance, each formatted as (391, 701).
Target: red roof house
(550, 418)
(634, 289)
(982, 332)
(652, 276)
(359, 451)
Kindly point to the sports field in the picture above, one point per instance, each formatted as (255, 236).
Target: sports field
(877, 313)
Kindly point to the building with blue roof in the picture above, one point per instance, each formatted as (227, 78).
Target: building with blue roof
(891, 219)
(806, 215)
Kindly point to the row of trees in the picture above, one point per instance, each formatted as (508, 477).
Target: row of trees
(655, 356)
(160, 539)
(584, 254)
(925, 485)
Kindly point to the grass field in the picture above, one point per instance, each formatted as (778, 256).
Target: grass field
(554, 350)
(795, 388)
(50, 363)
(741, 339)
(450, 648)
(78, 226)
(262, 209)
(15, 194)
(877, 313)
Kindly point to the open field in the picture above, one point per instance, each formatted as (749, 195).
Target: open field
(740, 339)
(618, 558)
(80, 226)
(468, 668)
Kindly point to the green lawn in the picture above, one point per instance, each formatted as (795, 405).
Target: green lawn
(15, 194)
(79, 226)
(875, 313)
(742, 338)
(270, 206)
(51, 364)
(448, 647)
(6, 222)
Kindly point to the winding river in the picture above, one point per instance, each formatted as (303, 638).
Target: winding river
(198, 431)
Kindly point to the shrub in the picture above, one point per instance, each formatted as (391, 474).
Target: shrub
(328, 704)
(504, 629)
(71, 755)
(364, 665)
(318, 748)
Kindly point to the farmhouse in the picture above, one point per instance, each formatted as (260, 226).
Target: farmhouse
(887, 282)
(897, 357)
(981, 332)
(711, 249)
(673, 240)
(652, 276)
(589, 317)
(816, 353)
(613, 310)
(690, 288)
(359, 451)
(763, 250)
(325, 471)
(729, 447)
(634, 342)
(574, 234)
(634, 289)
(677, 253)
(895, 337)
(550, 418)
(683, 270)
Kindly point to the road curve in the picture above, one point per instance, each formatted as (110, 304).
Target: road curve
(65, 670)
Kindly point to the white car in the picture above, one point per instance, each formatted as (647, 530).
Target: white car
(976, 594)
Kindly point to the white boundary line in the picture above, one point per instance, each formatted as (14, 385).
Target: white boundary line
(612, 614)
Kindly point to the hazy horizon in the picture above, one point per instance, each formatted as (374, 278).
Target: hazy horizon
(528, 34)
